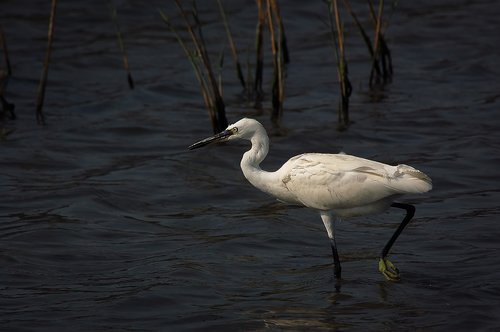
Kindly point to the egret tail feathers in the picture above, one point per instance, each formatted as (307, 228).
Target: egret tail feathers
(411, 180)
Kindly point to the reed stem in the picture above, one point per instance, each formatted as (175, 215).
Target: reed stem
(364, 35)
(342, 70)
(275, 22)
(204, 73)
(259, 52)
(121, 44)
(43, 81)
(5, 52)
(381, 57)
(232, 45)
(219, 106)
(207, 98)
(4, 78)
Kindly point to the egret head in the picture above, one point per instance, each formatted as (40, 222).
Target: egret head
(244, 128)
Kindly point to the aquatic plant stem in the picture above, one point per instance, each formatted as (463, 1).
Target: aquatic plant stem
(4, 78)
(121, 44)
(364, 35)
(209, 84)
(342, 71)
(283, 40)
(232, 45)
(259, 53)
(5, 52)
(43, 80)
(218, 104)
(196, 68)
(278, 63)
(381, 54)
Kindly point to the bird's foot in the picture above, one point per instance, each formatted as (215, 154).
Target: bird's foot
(389, 270)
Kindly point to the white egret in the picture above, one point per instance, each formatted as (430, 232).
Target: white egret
(333, 184)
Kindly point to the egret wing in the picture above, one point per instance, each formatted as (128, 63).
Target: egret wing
(339, 181)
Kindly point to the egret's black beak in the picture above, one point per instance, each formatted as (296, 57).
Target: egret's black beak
(216, 138)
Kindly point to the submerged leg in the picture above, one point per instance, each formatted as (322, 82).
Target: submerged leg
(385, 266)
(328, 221)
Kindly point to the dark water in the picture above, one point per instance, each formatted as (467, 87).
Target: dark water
(108, 223)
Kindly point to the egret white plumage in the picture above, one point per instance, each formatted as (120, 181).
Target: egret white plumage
(333, 184)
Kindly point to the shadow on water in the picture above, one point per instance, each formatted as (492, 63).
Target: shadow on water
(108, 223)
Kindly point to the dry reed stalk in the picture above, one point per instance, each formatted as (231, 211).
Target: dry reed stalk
(259, 52)
(283, 41)
(363, 34)
(249, 76)
(197, 70)
(218, 104)
(121, 44)
(199, 75)
(204, 72)
(219, 74)
(342, 71)
(381, 53)
(283, 44)
(5, 52)
(4, 78)
(276, 37)
(43, 80)
(232, 45)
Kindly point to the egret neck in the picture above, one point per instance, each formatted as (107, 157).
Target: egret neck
(250, 162)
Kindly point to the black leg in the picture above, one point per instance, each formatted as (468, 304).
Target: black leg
(329, 225)
(410, 212)
(385, 266)
(337, 269)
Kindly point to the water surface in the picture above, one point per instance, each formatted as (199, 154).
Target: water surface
(107, 222)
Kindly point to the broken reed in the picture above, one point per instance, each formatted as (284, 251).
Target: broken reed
(202, 66)
(3, 42)
(211, 88)
(43, 80)
(218, 104)
(275, 24)
(259, 53)
(232, 45)
(270, 12)
(381, 71)
(381, 68)
(121, 44)
(337, 31)
(4, 78)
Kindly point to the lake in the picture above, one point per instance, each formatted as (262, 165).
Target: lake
(109, 223)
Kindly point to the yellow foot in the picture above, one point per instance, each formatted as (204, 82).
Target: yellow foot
(388, 269)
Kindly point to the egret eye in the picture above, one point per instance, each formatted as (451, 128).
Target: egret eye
(234, 130)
